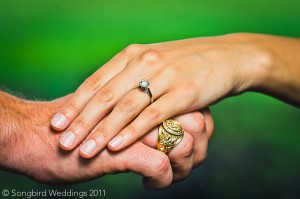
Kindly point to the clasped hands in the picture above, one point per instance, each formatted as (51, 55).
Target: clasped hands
(109, 126)
(109, 116)
(109, 113)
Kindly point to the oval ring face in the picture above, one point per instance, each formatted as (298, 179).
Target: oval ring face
(173, 127)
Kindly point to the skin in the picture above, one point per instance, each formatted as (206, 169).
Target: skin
(184, 76)
(26, 138)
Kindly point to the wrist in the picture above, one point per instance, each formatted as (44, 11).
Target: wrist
(26, 139)
(257, 62)
(13, 117)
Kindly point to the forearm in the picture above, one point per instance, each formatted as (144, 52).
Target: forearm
(11, 115)
(279, 70)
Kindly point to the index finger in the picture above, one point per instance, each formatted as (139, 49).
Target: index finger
(86, 91)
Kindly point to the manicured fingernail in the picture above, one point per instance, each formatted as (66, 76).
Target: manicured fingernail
(59, 120)
(68, 139)
(117, 141)
(88, 147)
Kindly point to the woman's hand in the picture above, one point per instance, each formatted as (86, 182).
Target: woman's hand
(184, 76)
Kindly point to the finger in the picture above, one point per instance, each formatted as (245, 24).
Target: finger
(86, 90)
(100, 105)
(193, 143)
(91, 85)
(194, 124)
(123, 113)
(197, 129)
(188, 121)
(181, 158)
(153, 165)
(209, 122)
(198, 125)
(153, 115)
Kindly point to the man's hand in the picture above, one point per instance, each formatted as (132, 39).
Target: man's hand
(30, 147)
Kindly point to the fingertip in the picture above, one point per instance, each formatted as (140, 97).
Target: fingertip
(88, 149)
(59, 121)
(57, 129)
(67, 140)
(85, 156)
(111, 148)
(116, 144)
(65, 148)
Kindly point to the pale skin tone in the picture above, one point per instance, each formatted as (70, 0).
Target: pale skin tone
(30, 147)
(184, 76)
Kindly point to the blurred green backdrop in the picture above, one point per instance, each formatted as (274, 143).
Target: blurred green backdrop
(47, 48)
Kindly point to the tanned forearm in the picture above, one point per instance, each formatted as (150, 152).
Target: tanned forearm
(11, 115)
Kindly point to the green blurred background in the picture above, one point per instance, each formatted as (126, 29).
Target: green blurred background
(47, 48)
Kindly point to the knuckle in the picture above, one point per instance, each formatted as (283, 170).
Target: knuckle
(81, 124)
(150, 56)
(105, 94)
(187, 149)
(128, 104)
(71, 109)
(132, 130)
(92, 83)
(162, 166)
(153, 114)
(100, 132)
(132, 49)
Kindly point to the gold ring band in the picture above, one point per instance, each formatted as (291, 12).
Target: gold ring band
(170, 134)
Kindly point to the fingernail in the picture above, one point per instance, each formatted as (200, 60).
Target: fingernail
(88, 147)
(68, 139)
(59, 120)
(117, 141)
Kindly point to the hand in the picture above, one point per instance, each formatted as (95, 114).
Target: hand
(26, 139)
(192, 150)
(184, 76)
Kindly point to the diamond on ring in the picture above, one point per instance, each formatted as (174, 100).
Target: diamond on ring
(144, 84)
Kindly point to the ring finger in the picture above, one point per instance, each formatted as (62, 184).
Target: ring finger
(182, 156)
